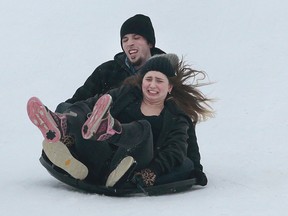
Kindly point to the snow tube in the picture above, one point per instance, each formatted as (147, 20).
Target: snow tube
(89, 187)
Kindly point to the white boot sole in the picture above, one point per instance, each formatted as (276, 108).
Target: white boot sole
(59, 155)
(119, 171)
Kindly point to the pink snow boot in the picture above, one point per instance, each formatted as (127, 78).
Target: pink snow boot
(53, 126)
(101, 125)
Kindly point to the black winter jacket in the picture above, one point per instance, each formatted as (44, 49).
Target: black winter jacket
(107, 76)
(172, 145)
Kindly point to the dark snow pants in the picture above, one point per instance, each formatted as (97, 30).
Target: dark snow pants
(101, 158)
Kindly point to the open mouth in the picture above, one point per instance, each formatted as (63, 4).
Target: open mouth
(152, 92)
(132, 53)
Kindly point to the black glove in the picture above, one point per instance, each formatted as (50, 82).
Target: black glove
(200, 176)
(144, 178)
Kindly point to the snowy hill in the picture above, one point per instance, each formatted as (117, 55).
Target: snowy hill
(49, 48)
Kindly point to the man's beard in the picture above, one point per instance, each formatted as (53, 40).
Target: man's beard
(137, 63)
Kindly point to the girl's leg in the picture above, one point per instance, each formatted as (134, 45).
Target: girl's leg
(54, 128)
(135, 151)
(135, 140)
(95, 155)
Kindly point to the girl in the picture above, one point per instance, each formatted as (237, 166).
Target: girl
(143, 126)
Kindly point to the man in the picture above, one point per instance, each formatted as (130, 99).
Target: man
(138, 44)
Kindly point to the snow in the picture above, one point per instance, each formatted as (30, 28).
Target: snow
(49, 48)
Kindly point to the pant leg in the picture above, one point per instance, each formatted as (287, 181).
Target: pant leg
(136, 140)
(93, 154)
(62, 107)
(96, 156)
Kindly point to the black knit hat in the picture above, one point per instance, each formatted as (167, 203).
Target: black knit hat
(141, 25)
(165, 63)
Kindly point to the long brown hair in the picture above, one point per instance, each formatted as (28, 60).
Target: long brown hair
(185, 92)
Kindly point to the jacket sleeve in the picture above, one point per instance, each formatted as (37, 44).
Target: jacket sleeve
(173, 147)
(99, 82)
(116, 94)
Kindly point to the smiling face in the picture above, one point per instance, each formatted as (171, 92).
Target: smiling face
(136, 48)
(155, 87)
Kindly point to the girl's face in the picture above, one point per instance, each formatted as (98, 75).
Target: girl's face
(155, 86)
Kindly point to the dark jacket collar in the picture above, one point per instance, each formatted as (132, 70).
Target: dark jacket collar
(122, 59)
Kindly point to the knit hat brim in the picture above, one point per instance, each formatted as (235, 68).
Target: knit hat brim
(164, 63)
(141, 25)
